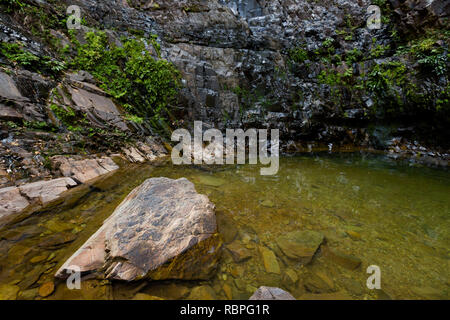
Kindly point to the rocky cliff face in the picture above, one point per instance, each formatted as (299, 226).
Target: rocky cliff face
(313, 69)
(239, 64)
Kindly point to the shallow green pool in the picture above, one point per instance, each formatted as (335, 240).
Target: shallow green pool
(368, 208)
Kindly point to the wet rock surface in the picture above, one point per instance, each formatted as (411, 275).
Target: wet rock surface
(162, 230)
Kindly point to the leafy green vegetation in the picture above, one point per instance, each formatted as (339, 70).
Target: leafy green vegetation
(72, 121)
(378, 51)
(387, 81)
(12, 4)
(335, 78)
(298, 55)
(134, 118)
(17, 55)
(38, 125)
(383, 77)
(430, 55)
(353, 56)
(65, 114)
(143, 84)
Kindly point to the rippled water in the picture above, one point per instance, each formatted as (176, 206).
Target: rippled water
(380, 212)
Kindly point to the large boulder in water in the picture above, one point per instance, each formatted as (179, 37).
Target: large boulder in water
(163, 229)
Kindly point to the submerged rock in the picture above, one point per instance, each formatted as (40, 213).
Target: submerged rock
(143, 296)
(57, 240)
(46, 289)
(269, 293)
(17, 253)
(163, 229)
(32, 276)
(38, 259)
(238, 252)
(353, 235)
(228, 291)
(326, 296)
(202, 293)
(172, 291)
(211, 181)
(318, 282)
(428, 293)
(29, 294)
(226, 226)
(290, 276)
(345, 260)
(268, 203)
(270, 260)
(8, 291)
(300, 245)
